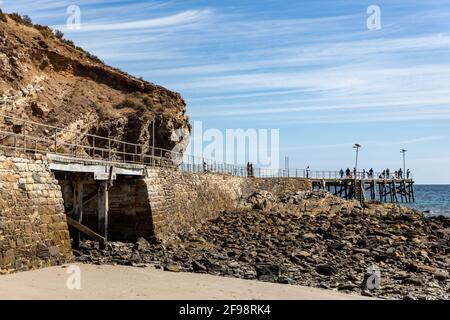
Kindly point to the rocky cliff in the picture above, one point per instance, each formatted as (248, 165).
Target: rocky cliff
(45, 78)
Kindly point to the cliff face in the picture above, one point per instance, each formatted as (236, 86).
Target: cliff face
(47, 79)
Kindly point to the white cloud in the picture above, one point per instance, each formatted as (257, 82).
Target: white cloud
(182, 18)
(370, 143)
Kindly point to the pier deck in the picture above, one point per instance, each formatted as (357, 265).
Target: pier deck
(393, 190)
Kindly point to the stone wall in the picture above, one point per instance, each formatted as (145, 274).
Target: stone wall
(276, 186)
(180, 201)
(33, 227)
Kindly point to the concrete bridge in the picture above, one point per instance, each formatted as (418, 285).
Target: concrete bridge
(79, 172)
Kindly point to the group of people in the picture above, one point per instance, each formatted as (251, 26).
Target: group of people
(399, 174)
(386, 174)
(354, 174)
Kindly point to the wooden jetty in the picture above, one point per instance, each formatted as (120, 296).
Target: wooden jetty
(393, 190)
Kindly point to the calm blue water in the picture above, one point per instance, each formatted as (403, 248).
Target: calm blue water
(433, 198)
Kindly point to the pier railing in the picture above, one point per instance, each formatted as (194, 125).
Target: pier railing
(33, 137)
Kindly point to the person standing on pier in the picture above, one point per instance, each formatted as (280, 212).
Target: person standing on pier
(400, 173)
(354, 173)
(408, 173)
(347, 172)
(371, 173)
(307, 172)
(364, 174)
(388, 173)
(341, 173)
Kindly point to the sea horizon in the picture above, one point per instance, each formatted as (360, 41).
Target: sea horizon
(433, 199)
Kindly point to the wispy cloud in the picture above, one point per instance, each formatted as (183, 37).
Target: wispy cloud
(282, 64)
(182, 18)
(369, 143)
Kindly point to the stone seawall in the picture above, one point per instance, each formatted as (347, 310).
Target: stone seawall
(276, 186)
(166, 202)
(33, 227)
(180, 201)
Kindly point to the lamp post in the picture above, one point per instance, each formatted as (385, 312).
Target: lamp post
(403, 151)
(153, 136)
(356, 146)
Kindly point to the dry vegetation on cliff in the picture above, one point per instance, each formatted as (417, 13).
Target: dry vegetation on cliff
(47, 78)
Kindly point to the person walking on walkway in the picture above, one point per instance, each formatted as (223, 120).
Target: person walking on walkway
(341, 173)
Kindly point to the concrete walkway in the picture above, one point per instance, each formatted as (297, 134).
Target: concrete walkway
(120, 282)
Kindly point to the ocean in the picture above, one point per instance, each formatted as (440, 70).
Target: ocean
(434, 199)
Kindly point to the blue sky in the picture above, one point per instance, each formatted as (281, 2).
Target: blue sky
(309, 68)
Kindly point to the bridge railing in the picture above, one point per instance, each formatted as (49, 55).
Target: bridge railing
(30, 136)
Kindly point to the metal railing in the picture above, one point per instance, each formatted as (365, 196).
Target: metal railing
(28, 136)
(358, 175)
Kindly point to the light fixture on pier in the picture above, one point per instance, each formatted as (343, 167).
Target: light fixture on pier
(403, 151)
(357, 146)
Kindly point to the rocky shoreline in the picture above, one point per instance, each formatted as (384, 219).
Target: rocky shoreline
(307, 238)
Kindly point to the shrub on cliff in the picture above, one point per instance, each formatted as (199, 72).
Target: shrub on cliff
(16, 17)
(59, 34)
(148, 101)
(46, 31)
(3, 16)
(93, 57)
(132, 104)
(26, 20)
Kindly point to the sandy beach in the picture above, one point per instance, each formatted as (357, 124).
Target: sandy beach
(122, 283)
